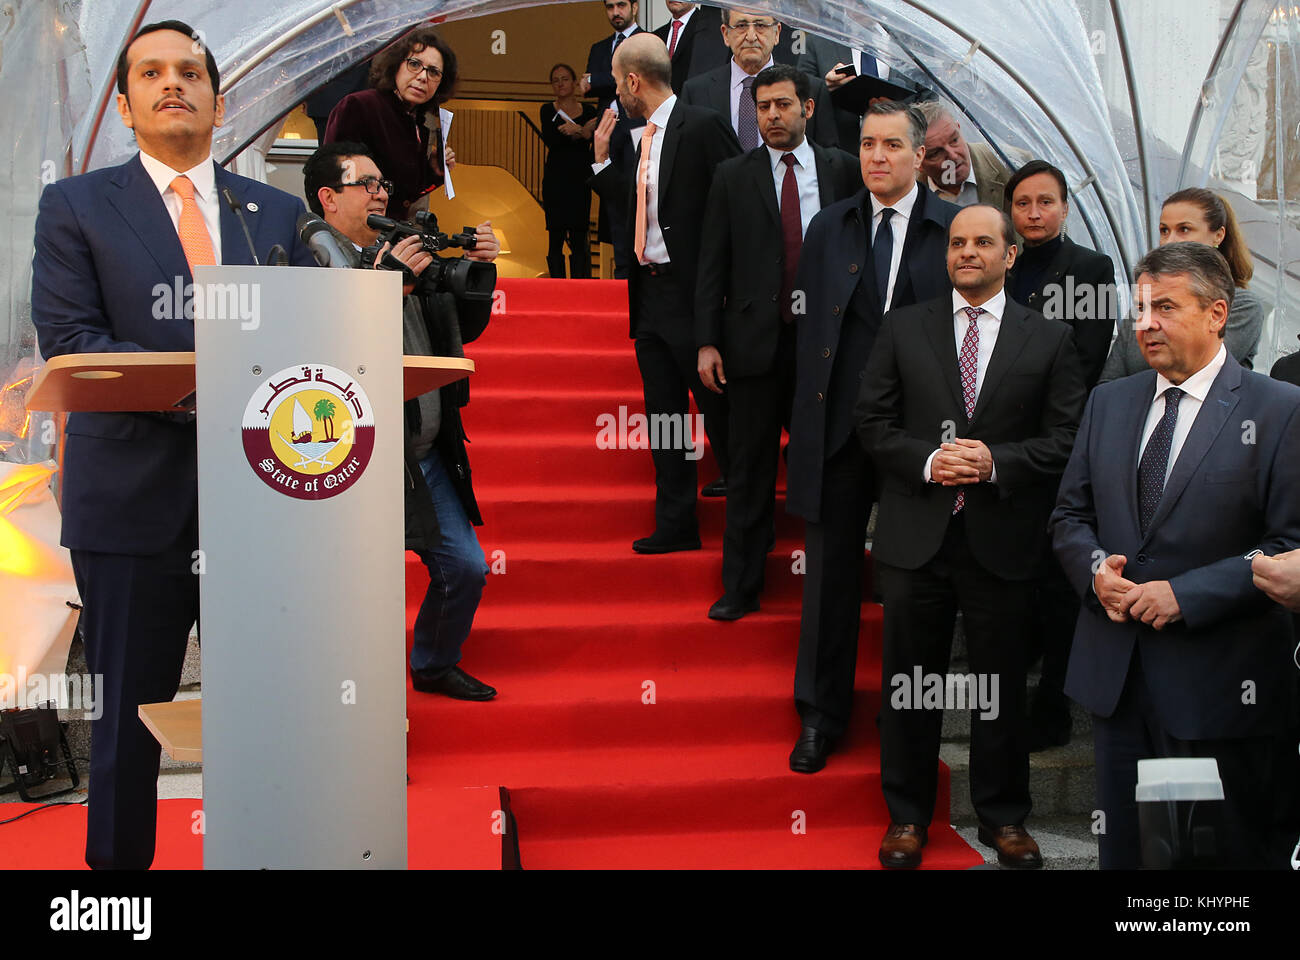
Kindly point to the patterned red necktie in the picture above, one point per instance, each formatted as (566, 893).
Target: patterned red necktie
(968, 361)
(791, 236)
(672, 41)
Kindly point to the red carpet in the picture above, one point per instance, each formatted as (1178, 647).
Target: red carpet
(579, 632)
(630, 730)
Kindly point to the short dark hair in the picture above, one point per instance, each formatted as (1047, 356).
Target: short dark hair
(1032, 169)
(572, 73)
(383, 69)
(916, 125)
(179, 27)
(780, 73)
(1008, 229)
(1205, 268)
(324, 168)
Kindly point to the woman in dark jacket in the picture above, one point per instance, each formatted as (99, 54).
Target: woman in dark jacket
(398, 118)
(567, 128)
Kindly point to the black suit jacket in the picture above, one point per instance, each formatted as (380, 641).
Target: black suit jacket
(1026, 413)
(699, 45)
(713, 90)
(600, 65)
(835, 260)
(1234, 488)
(1287, 368)
(1078, 288)
(696, 140)
(737, 297)
(817, 59)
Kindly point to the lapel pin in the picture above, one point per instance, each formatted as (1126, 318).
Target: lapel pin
(250, 207)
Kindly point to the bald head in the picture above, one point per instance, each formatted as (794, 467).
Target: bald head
(644, 55)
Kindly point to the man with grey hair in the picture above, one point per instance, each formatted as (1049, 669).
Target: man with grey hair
(957, 170)
(1180, 476)
(879, 249)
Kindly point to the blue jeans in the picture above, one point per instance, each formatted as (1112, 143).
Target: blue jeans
(457, 574)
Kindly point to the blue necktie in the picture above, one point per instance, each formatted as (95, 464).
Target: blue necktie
(882, 254)
(1155, 460)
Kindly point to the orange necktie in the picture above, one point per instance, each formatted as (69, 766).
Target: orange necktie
(646, 136)
(195, 238)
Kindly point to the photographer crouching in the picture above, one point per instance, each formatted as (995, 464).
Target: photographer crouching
(447, 303)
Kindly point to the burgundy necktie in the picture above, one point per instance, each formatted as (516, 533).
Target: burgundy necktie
(791, 236)
(672, 41)
(968, 361)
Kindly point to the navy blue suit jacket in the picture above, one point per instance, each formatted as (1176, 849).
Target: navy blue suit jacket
(104, 242)
(835, 260)
(1225, 670)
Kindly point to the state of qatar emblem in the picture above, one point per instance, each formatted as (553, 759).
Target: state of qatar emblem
(309, 431)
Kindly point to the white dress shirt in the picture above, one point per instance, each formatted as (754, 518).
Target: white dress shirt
(737, 88)
(902, 214)
(1195, 389)
(684, 19)
(805, 175)
(967, 195)
(988, 324)
(656, 251)
(204, 178)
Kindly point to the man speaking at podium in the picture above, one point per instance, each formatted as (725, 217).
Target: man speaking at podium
(104, 242)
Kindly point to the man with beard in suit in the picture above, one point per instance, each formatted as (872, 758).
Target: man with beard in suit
(759, 207)
(969, 408)
(664, 207)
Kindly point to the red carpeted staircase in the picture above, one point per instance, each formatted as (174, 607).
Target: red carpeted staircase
(630, 730)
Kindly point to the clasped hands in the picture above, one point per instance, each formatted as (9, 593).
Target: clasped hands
(962, 461)
(1124, 601)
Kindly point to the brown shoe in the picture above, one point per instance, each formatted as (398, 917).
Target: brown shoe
(1015, 847)
(902, 845)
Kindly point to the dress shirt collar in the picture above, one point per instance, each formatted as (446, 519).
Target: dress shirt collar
(803, 153)
(970, 178)
(203, 176)
(903, 206)
(738, 75)
(660, 117)
(685, 18)
(1198, 384)
(632, 28)
(993, 306)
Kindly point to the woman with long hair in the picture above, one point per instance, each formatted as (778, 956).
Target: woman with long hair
(398, 118)
(1201, 216)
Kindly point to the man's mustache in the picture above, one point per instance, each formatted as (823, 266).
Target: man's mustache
(158, 105)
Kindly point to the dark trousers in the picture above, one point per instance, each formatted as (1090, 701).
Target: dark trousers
(920, 612)
(669, 377)
(571, 226)
(136, 622)
(1259, 778)
(834, 549)
(758, 407)
(1055, 616)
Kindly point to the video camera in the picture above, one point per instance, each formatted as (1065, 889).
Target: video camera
(463, 278)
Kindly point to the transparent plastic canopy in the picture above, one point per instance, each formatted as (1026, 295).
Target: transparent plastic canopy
(1133, 99)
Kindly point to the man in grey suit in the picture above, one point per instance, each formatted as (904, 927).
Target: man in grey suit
(1180, 476)
(752, 36)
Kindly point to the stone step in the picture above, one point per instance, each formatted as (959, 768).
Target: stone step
(1062, 781)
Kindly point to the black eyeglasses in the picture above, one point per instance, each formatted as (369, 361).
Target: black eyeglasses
(372, 185)
(415, 66)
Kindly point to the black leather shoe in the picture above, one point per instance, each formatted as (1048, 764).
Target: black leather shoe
(732, 607)
(454, 683)
(811, 750)
(659, 542)
(718, 488)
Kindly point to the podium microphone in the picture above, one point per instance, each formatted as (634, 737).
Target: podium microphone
(239, 215)
(277, 257)
(316, 234)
